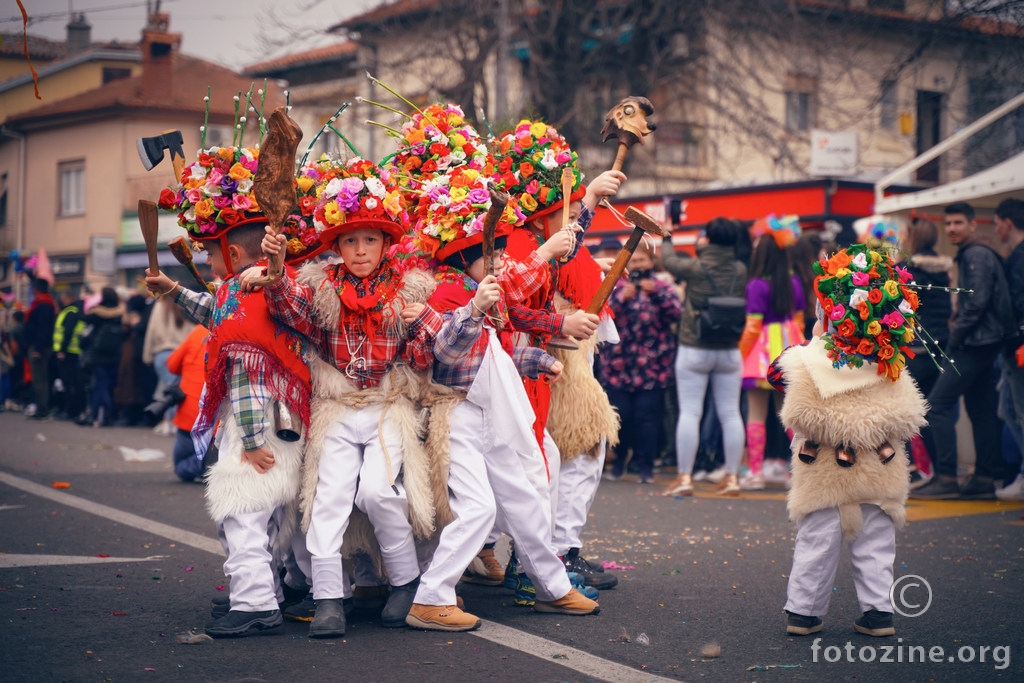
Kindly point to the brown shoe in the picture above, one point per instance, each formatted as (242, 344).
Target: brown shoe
(574, 603)
(730, 486)
(682, 486)
(441, 618)
(484, 570)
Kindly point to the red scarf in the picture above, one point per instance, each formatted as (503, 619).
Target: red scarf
(41, 298)
(241, 330)
(371, 310)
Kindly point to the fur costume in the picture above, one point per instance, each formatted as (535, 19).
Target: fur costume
(581, 414)
(334, 393)
(855, 407)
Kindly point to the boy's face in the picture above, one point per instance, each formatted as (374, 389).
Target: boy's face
(549, 224)
(361, 250)
(215, 259)
(478, 271)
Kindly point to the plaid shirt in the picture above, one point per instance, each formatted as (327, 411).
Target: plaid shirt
(291, 303)
(248, 394)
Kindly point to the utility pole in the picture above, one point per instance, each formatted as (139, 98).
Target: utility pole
(501, 64)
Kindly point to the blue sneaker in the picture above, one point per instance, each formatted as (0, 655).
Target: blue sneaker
(511, 581)
(577, 582)
(526, 594)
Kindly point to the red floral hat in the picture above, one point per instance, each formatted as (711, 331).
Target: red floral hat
(359, 195)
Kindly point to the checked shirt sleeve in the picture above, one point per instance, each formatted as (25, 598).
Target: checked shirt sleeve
(457, 336)
(291, 303)
(197, 306)
(534, 321)
(531, 361)
(248, 399)
(520, 279)
(419, 349)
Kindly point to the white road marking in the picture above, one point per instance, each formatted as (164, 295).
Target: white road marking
(5, 506)
(593, 666)
(199, 541)
(9, 560)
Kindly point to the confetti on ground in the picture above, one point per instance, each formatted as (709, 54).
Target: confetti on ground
(193, 638)
(766, 667)
(102, 555)
(62, 484)
(118, 614)
(711, 650)
(611, 564)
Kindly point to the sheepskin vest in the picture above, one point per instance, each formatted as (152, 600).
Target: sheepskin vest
(855, 407)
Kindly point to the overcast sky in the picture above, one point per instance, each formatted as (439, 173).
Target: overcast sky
(226, 31)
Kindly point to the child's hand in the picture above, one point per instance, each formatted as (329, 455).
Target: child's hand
(411, 311)
(580, 324)
(273, 244)
(159, 284)
(487, 294)
(558, 245)
(604, 185)
(556, 370)
(261, 459)
(249, 276)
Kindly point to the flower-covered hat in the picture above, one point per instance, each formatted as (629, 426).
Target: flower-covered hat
(214, 194)
(303, 239)
(450, 213)
(877, 232)
(359, 195)
(870, 310)
(785, 230)
(434, 140)
(530, 162)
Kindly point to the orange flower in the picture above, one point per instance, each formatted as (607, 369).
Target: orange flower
(864, 309)
(842, 259)
(865, 347)
(526, 169)
(204, 209)
(847, 328)
(414, 136)
(886, 352)
(239, 172)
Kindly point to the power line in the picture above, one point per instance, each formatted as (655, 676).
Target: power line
(36, 18)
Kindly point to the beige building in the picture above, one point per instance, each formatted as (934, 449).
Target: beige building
(71, 170)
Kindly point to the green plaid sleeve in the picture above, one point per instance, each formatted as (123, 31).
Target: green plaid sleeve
(247, 401)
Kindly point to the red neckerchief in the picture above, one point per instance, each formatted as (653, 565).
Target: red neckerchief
(372, 309)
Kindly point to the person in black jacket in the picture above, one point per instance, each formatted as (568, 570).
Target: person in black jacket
(39, 340)
(101, 343)
(1009, 219)
(67, 347)
(983, 321)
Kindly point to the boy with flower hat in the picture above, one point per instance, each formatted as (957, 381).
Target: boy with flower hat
(490, 428)
(368, 317)
(534, 156)
(252, 365)
(852, 408)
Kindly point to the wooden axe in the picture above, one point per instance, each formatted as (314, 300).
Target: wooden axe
(642, 223)
(149, 221)
(151, 151)
(274, 182)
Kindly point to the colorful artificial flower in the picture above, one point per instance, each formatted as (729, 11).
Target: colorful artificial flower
(530, 162)
(358, 194)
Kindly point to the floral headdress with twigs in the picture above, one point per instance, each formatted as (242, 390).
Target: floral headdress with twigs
(359, 195)
(530, 162)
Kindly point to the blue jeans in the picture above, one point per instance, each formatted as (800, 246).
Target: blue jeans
(639, 427)
(166, 378)
(695, 368)
(104, 377)
(186, 465)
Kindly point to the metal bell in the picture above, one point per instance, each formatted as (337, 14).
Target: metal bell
(808, 452)
(846, 456)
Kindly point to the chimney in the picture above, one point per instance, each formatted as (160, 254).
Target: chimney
(158, 47)
(79, 34)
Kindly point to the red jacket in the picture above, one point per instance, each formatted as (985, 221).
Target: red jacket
(187, 361)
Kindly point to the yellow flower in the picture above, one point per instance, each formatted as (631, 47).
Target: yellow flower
(528, 203)
(455, 120)
(393, 203)
(842, 272)
(295, 245)
(458, 140)
(304, 183)
(875, 257)
(204, 209)
(874, 327)
(908, 335)
(447, 234)
(458, 194)
(332, 214)
(471, 174)
(239, 172)
(538, 129)
(891, 288)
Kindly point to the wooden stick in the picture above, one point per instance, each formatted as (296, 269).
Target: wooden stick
(183, 254)
(149, 222)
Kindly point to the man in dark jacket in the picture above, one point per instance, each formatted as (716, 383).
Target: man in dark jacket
(42, 315)
(1010, 230)
(67, 334)
(982, 322)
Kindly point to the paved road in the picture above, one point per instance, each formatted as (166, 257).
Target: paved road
(102, 581)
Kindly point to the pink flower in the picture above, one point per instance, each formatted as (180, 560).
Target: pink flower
(222, 201)
(894, 319)
(860, 279)
(837, 312)
(241, 202)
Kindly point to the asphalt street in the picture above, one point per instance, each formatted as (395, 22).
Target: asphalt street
(107, 568)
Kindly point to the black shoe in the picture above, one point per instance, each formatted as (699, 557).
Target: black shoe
(978, 488)
(236, 624)
(292, 596)
(939, 488)
(329, 620)
(799, 625)
(399, 603)
(591, 577)
(875, 623)
(220, 606)
(305, 609)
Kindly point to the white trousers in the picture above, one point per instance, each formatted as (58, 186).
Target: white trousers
(577, 488)
(472, 504)
(554, 458)
(248, 538)
(355, 471)
(297, 563)
(816, 558)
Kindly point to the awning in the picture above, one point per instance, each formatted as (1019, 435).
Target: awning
(983, 190)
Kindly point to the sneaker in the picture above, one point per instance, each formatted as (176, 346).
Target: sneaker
(237, 624)
(716, 476)
(399, 603)
(729, 486)
(918, 478)
(646, 479)
(939, 488)
(799, 625)
(700, 475)
(752, 482)
(875, 623)
(610, 475)
(220, 606)
(370, 598)
(573, 603)
(775, 472)
(978, 488)
(599, 580)
(485, 569)
(441, 618)
(576, 581)
(682, 486)
(329, 619)
(292, 596)
(526, 594)
(511, 573)
(1013, 491)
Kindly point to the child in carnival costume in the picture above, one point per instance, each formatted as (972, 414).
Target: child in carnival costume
(489, 429)
(852, 409)
(252, 365)
(574, 418)
(368, 318)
